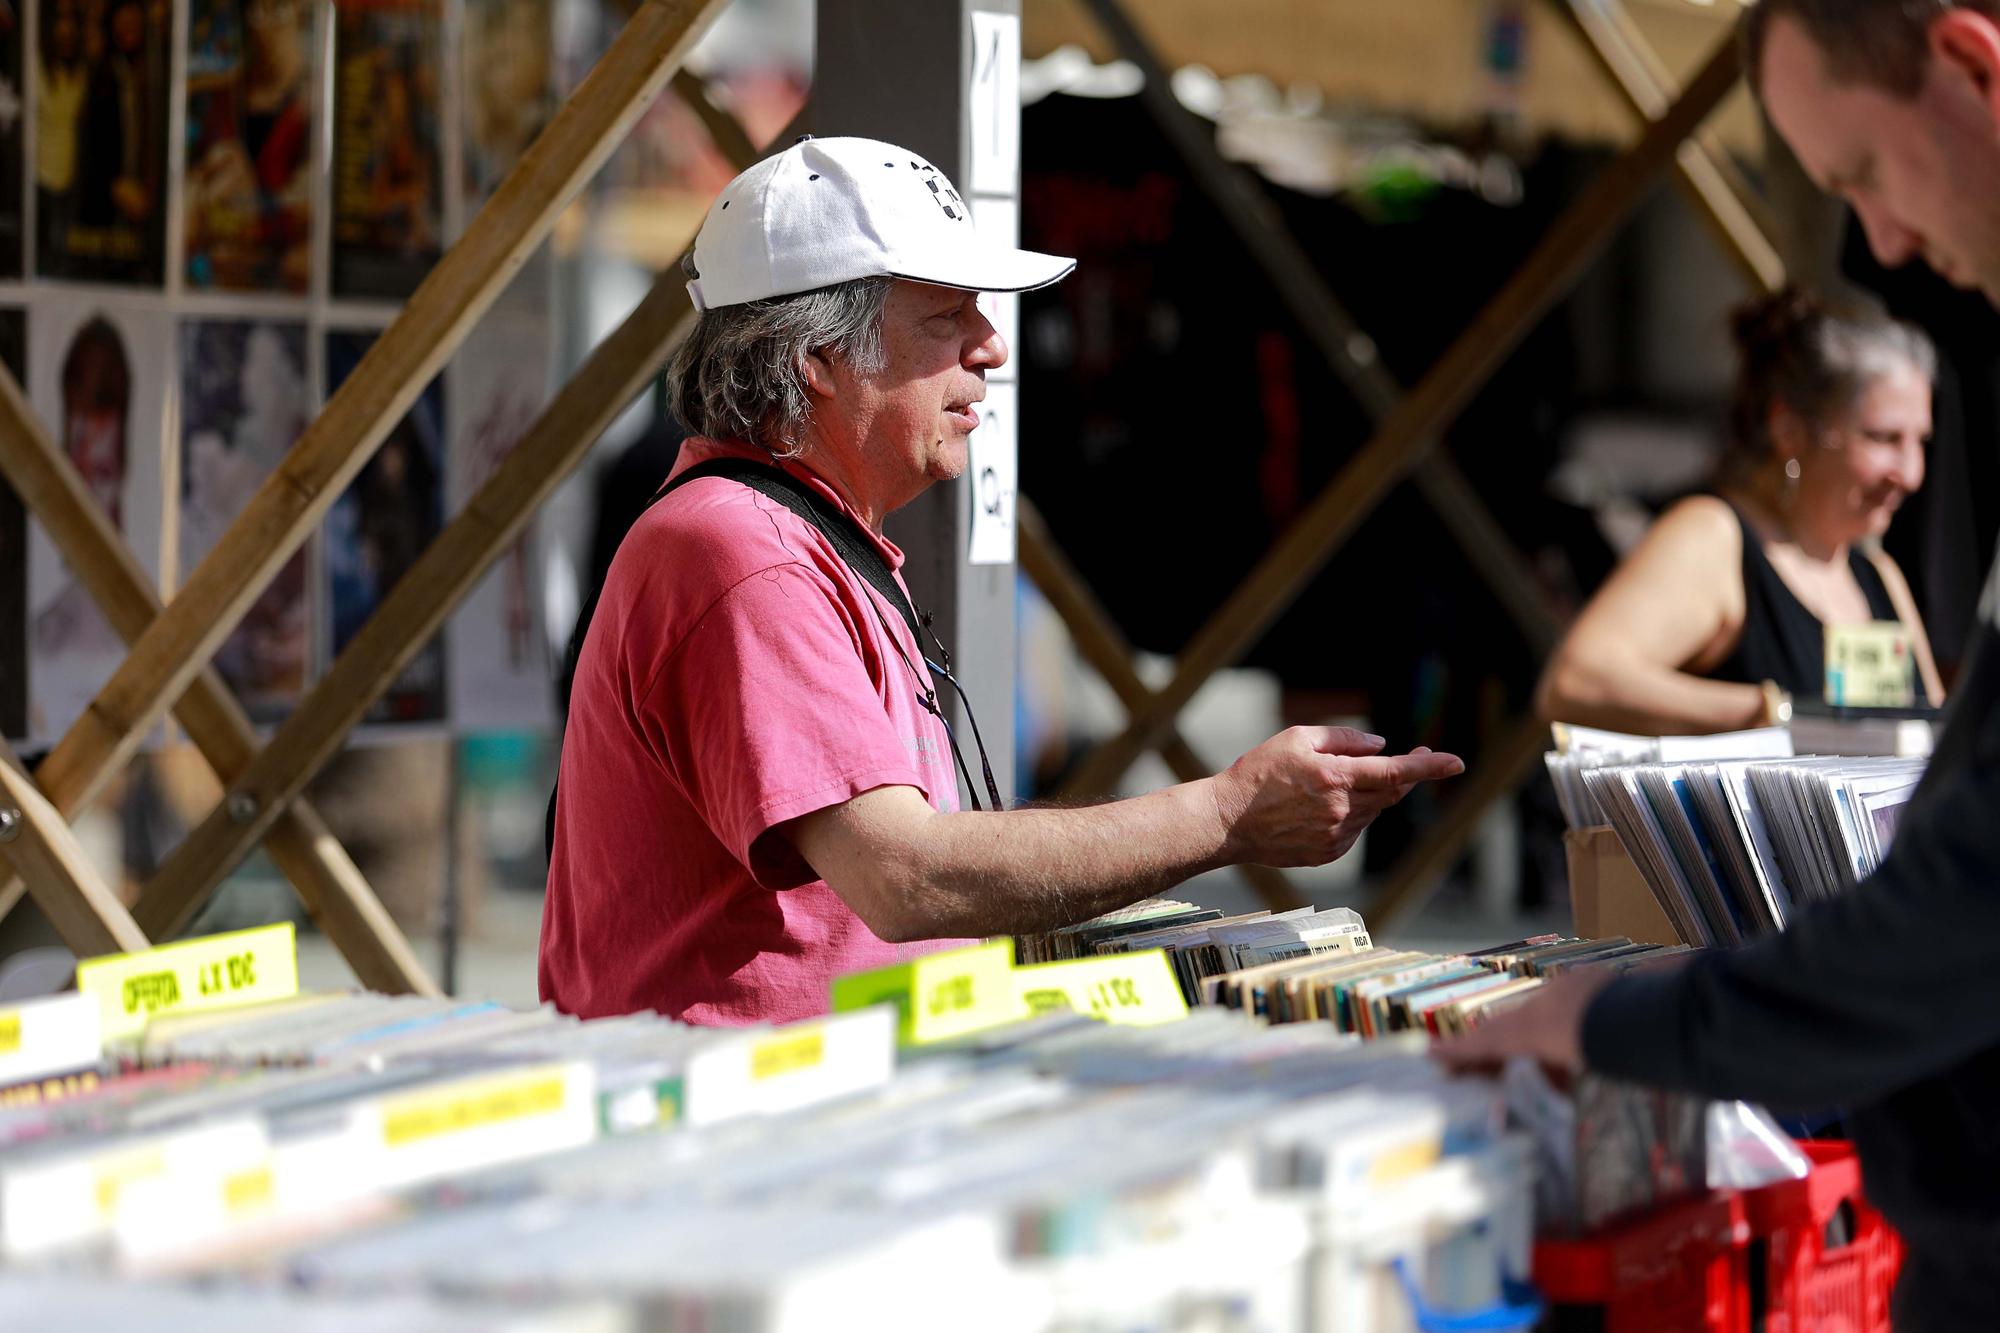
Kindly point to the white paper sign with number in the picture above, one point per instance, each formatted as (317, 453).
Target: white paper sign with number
(995, 102)
(992, 478)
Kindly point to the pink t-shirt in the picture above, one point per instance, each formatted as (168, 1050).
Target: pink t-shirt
(736, 675)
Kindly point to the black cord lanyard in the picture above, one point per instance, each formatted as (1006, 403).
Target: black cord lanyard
(860, 555)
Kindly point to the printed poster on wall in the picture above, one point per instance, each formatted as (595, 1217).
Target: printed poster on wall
(244, 400)
(992, 477)
(501, 677)
(100, 121)
(510, 94)
(378, 528)
(247, 191)
(99, 380)
(13, 135)
(388, 173)
(13, 557)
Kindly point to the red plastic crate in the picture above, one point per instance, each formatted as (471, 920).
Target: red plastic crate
(1682, 1269)
(1802, 1284)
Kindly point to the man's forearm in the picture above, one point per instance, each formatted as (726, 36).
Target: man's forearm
(912, 873)
(1018, 871)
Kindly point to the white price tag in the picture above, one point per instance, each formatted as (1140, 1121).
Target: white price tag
(995, 102)
(993, 476)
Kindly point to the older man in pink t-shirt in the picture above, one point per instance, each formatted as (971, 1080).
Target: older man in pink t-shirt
(757, 794)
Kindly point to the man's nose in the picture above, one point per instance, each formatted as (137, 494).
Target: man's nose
(1893, 243)
(987, 349)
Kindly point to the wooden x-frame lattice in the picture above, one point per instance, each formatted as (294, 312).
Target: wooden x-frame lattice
(171, 646)
(1408, 422)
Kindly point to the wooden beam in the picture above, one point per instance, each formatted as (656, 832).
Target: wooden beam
(1726, 201)
(285, 510)
(38, 844)
(1342, 343)
(614, 374)
(1550, 271)
(332, 887)
(609, 379)
(1496, 775)
(723, 128)
(1489, 550)
(1098, 640)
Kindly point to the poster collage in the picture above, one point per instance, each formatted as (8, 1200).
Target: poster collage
(209, 210)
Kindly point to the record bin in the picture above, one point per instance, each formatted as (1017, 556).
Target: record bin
(1800, 1256)
(1682, 1268)
(1822, 1259)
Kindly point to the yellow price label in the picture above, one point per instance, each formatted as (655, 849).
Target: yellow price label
(215, 972)
(53, 1089)
(122, 1170)
(1870, 665)
(1136, 989)
(787, 1054)
(10, 1033)
(424, 1116)
(1403, 1161)
(243, 1191)
(941, 995)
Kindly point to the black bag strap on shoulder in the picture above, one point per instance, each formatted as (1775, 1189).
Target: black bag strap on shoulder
(843, 533)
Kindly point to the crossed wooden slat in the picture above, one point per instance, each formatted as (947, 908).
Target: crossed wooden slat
(1100, 643)
(1703, 167)
(1346, 349)
(1738, 222)
(261, 790)
(91, 922)
(614, 373)
(38, 842)
(1409, 423)
(1342, 343)
(173, 645)
(171, 649)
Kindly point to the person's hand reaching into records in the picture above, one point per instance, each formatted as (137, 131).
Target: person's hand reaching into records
(1546, 1026)
(1304, 796)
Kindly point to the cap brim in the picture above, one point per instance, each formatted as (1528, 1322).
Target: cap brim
(977, 268)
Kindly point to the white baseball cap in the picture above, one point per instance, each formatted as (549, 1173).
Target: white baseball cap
(825, 211)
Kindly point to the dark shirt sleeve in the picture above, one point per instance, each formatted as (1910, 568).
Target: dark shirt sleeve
(1897, 980)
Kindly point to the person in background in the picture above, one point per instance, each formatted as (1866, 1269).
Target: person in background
(757, 791)
(1885, 1000)
(1718, 617)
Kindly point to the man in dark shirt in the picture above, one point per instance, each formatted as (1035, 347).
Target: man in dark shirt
(1885, 1001)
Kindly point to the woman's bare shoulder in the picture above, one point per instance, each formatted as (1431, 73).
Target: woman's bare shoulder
(1701, 518)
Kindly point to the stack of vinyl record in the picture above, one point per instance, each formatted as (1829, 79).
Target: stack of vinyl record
(1732, 849)
(1734, 833)
(366, 1161)
(1201, 943)
(362, 1161)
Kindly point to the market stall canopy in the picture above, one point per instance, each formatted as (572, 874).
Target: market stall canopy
(1432, 60)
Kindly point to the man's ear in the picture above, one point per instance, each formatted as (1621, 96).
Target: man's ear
(819, 372)
(1967, 43)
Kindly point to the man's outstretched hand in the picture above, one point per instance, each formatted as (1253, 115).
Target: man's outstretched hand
(1304, 796)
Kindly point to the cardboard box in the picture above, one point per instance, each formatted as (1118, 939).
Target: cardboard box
(1608, 895)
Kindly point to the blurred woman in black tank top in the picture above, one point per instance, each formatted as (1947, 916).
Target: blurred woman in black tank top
(1718, 616)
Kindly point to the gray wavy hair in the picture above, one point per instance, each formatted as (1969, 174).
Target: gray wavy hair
(740, 375)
